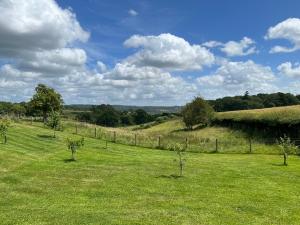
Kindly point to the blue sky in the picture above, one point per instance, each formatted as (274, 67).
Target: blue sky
(148, 52)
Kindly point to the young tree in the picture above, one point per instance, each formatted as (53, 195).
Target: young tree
(287, 147)
(180, 150)
(45, 100)
(73, 145)
(54, 121)
(4, 125)
(197, 112)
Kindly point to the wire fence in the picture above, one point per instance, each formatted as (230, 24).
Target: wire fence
(192, 143)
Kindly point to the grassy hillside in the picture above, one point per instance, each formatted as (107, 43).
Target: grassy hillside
(133, 185)
(277, 115)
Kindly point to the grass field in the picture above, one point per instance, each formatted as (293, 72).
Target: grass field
(133, 185)
(277, 115)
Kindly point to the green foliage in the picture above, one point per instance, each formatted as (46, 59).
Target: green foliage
(54, 121)
(198, 112)
(45, 100)
(254, 102)
(74, 144)
(140, 116)
(288, 147)
(4, 125)
(180, 150)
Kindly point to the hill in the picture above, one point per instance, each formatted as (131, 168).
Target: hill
(133, 185)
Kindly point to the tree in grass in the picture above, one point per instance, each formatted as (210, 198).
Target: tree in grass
(73, 145)
(54, 121)
(45, 100)
(4, 125)
(180, 151)
(288, 147)
(197, 112)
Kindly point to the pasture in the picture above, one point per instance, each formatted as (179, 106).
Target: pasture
(133, 185)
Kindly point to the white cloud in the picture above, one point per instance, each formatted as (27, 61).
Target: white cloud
(101, 67)
(246, 46)
(233, 78)
(169, 52)
(34, 25)
(132, 12)
(241, 48)
(289, 70)
(288, 29)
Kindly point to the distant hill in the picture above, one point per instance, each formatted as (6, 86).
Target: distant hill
(148, 109)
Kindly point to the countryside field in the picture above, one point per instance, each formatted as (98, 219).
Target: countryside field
(132, 185)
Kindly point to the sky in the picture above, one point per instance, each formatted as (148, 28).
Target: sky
(155, 52)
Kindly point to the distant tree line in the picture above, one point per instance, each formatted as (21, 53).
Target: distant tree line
(107, 115)
(254, 101)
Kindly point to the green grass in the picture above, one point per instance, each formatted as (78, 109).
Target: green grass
(133, 185)
(277, 115)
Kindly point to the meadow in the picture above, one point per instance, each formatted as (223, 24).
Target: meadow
(277, 115)
(124, 184)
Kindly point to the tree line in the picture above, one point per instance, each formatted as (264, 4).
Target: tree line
(258, 101)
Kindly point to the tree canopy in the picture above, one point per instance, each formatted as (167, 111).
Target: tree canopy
(45, 100)
(197, 112)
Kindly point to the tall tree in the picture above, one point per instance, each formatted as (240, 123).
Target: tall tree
(197, 112)
(46, 100)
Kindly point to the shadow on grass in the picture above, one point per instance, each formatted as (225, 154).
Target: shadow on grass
(46, 136)
(172, 176)
(199, 127)
(69, 160)
(278, 164)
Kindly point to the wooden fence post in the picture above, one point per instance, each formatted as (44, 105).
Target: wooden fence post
(115, 136)
(135, 139)
(76, 129)
(158, 141)
(31, 120)
(95, 132)
(186, 143)
(216, 144)
(250, 145)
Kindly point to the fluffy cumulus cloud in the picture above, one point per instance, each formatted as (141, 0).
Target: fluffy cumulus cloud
(289, 30)
(234, 78)
(290, 70)
(246, 46)
(37, 40)
(167, 51)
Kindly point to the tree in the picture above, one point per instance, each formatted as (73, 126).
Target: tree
(73, 145)
(54, 121)
(287, 147)
(180, 150)
(140, 116)
(197, 112)
(4, 125)
(45, 100)
(106, 115)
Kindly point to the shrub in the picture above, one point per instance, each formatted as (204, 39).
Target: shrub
(287, 147)
(4, 125)
(73, 145)
(180, 150)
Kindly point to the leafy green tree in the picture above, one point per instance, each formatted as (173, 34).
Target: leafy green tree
(106, 115)
(73, 145)
(54, 121)
(198, 112)
(140, 116)
(4, 125)
(287, 147)
(45, 100)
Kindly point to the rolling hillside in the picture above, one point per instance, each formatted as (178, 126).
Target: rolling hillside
(133, 185)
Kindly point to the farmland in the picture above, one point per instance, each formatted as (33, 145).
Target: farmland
(133, 185)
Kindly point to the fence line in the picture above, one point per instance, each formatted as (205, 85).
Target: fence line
(192, 144)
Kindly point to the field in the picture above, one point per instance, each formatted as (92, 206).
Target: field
(133, 185)
(278, 115)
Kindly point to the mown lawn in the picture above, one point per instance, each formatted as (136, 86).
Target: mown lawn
(132, 185)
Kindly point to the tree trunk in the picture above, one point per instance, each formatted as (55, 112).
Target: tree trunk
(285, 155)
(73, 155)
(5, 139)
